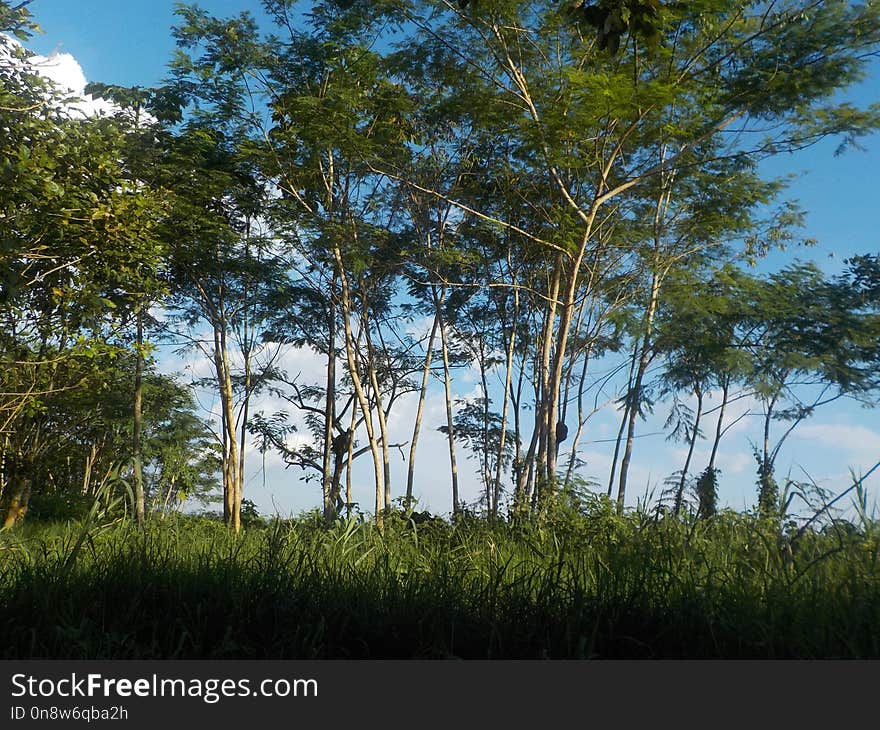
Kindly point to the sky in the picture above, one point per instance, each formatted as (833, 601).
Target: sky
(129, 43)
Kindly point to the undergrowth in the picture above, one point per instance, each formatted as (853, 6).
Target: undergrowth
(585, 584)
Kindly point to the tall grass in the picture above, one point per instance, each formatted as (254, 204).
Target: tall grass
(586, 583)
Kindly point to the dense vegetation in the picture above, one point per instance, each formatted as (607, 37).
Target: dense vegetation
(527, 214)
(586, 583)
(529, 211)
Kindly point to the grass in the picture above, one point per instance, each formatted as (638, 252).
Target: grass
(586, 584)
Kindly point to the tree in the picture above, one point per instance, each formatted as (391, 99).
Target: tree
(330, 108)
(76, 229)
(809, 343)
(141, 115)
(180, 455)
(604, 133)
(575, 171)
(223, 271)
(696, 339)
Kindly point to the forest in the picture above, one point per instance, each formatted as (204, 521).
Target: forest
(522, 213)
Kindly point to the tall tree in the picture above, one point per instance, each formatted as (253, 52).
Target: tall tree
(602, 129)
(808, 344)
(223, 271)
(77, 230)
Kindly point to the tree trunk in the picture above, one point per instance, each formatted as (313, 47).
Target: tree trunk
(575, 441)
(423, 390)
(20, 481)
(246, 348)
(487, 474)
(546, 413)
(137, 421)
(354, 373)
(243, 416)
(231, 487)
(330, 480)
(91, 459)
(508, 382)
(519, 496)
(529, 476)
(447, 383)
(350, 458)
(768, 496)
(380, 415)
(635, 392)
(719, 426)
(18, 503)
(623, 421)
(679, 494)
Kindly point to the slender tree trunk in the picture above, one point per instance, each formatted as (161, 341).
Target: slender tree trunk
(623, 421)
(719, 425)
(246, 346)
(508, 382)
(631, 418)
(566, 317)
(228, 491)
(768, 417)
(363, 402)
(423, 390)
(232, 488)
(519, 496)
(679, 494)
(137, 421)
(575, 441)
(635, 393)
(91, 459)
(554, 386)
(447, 384)
(380, 414)
(243, 415)
(657, 276)
(767, 490)
(350, 458)
(487, 474)
(532, 467)
(168, 494)
(330, 480)
(546, 415)
(565, 394)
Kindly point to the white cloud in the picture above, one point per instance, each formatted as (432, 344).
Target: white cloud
(63, 69)
(65, 72)
(853, 441)
(68, 76)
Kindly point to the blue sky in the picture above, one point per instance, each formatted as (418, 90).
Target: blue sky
(130, 43)
(127, 43)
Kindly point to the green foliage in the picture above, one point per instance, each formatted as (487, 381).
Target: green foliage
(600, 586)
(613, 19)
(550, 182)
(17, 20)
(78, 252)
(706, 488)
(58, 507)
(581, 155)
(768, 490)
(180, 454)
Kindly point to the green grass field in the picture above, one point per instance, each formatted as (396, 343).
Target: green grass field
(586, 584)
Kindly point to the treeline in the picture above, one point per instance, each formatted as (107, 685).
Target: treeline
(406, 188)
